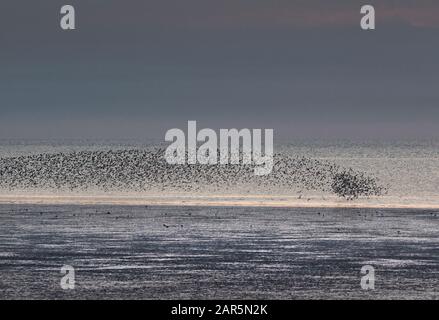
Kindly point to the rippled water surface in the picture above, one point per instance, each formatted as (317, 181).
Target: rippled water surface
(164, 252)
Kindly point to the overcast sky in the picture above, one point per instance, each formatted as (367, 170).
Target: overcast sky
(136, 68)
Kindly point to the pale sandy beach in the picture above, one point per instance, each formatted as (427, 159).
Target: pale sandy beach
(221, 200)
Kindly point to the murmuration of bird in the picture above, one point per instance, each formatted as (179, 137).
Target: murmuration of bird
(146, 170)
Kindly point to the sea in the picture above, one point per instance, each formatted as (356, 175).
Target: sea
(132, 227)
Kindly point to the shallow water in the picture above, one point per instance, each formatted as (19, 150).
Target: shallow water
(160, 252)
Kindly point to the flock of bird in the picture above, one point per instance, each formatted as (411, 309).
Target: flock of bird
(147, 170)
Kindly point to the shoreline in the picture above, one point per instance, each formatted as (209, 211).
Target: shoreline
(210, 201)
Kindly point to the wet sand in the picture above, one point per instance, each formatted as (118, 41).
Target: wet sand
(184, 252)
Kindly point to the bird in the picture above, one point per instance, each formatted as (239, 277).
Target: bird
(139, 170)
